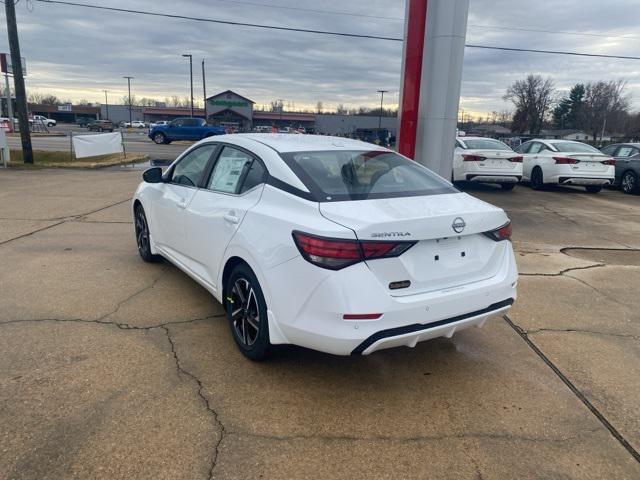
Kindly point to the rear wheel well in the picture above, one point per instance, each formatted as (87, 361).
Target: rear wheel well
(136, 204)
(232, 263)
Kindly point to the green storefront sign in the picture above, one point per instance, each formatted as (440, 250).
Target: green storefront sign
(228, 103)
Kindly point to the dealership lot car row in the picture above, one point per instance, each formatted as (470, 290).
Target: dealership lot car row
(547, 162)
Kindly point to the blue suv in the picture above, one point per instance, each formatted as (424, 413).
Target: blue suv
(184, 129)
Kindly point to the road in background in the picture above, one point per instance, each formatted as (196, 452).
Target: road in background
(135, 141)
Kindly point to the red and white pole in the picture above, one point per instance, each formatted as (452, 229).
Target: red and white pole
(431, 79)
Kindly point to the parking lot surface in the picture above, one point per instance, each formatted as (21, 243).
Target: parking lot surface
(113, 368)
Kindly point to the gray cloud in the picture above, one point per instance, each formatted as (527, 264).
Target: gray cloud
(76, 52)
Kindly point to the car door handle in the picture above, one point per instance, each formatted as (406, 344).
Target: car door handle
(182, 203)
(231, 218)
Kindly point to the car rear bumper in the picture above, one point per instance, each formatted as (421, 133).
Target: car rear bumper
(309, 312)
(493, 178)
(585, 180)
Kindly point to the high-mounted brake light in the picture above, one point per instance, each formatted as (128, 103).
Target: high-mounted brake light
(516, 159)
(502, 233)
(337, 253)
(472, 158)
(565, 160)
(609, 161)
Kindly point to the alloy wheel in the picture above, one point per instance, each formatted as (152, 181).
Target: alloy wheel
(629, 182)
(245, 314)
(142, 231)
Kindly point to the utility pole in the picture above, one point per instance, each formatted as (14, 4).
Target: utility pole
(204, 91)
(129, 86)
(381, 92)
(18, 81)
(106, 103)
(190, 77)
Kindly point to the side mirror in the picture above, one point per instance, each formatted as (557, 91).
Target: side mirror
(152, 175)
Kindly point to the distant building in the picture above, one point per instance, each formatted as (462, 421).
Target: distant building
(564, 134)
(64, 113)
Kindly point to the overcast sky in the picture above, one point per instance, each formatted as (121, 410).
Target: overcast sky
(76, 52)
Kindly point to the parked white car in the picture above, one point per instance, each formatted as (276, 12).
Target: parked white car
(333, 244)
(158, 123)
(566, 162)
(49, 122)
(138, 124)
(479, 159)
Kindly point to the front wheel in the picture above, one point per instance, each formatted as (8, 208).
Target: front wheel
(507, 186)
(51, 125)
(160, 138)
(247, 313)
(143, 237)
(629, 182)
(593, 188)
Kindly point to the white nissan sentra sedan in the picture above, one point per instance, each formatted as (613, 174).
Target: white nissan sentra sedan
(332, 244)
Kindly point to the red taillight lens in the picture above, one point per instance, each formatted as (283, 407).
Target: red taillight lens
(361, 316)
(565, 160)
(516, 159)
(472, 158)
(609, 161)
(337, 253)
(502, 233)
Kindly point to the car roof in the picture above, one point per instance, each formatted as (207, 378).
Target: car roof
(285, 142)
(476, 138)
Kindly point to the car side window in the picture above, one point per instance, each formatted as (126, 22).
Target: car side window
(625, 152)
(177, 123)
(536, 147)
(230, 167)
(458, 144)
(523, 147)
(256, 175)
(609, 150)
(189, 170)
(635, 153)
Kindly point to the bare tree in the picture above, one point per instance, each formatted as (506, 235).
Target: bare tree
(532, 98)
(319, 107)
(605, 104)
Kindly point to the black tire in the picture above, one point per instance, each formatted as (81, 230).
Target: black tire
(593, 188)
(160, 138)
(247, 313)
(143, 237)
(629, 182)
(537, 179)
(507, 186)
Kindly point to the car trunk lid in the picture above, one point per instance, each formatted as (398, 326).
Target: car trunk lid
(450, 248)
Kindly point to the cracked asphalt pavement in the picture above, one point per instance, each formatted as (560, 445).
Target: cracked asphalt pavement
(112, 368)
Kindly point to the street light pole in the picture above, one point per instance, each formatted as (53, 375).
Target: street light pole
(190, 77)
(204, 91)
(106, 103)
(381, 92)
(129, 87)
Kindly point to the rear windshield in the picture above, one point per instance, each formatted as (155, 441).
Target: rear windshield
(486, 144)
(574, 147)
(340, 175)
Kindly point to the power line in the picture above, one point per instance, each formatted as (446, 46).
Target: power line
(225, 22)
(322, 32)
(310, 10)
(553, 52)
(558, 32)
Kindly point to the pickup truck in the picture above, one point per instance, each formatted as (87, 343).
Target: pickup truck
(184, 129)
(49, 122)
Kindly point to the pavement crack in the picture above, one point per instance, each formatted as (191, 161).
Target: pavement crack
(31, 233)
(508, 436)
(205, 400)
(580, 330)
(581, 396)
(563, 272)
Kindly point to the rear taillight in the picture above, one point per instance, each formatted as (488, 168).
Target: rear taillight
(609, 161)
(565, 160)
(516, 159)
(502, 233)
(337, 253)
(472, 158)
